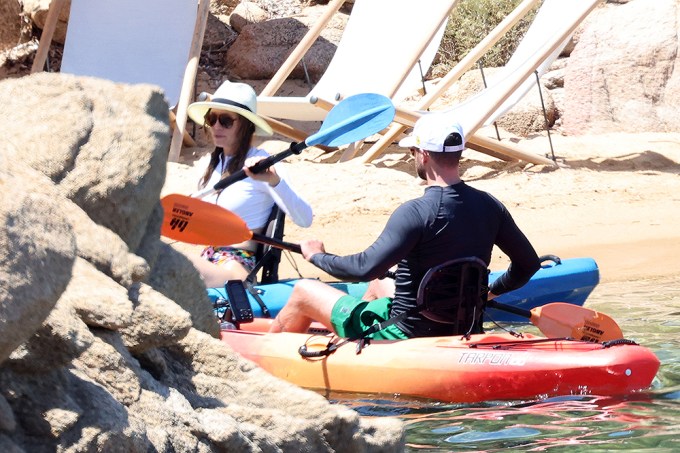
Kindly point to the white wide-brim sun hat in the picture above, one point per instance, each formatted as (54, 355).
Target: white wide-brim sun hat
(239, 98)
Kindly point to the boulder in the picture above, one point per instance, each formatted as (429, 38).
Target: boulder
(524, 118)
(247, 13)
(262, 47)
(623, 75)
(218, 37)
(103, 349)
(37, 11)
(39, 249)
(10, 27)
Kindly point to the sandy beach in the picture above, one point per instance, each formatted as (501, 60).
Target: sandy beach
(615, 198)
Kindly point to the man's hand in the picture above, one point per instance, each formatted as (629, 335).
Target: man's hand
(311, 247)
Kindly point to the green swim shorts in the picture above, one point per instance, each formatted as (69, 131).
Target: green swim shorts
(351, 316)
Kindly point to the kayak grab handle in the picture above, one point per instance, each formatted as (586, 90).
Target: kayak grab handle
(554, 258)
(330, 349)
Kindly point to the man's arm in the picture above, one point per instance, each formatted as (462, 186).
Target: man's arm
(524, 261)
(401, 234)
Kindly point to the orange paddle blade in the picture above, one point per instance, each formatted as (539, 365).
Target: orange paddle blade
(195, 221)
(567, 320)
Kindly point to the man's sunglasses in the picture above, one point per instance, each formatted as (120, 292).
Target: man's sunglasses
(225, 120)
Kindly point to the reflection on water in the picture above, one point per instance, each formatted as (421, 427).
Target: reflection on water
(648, 312)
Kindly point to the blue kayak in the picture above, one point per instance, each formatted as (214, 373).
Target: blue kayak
(569, 280)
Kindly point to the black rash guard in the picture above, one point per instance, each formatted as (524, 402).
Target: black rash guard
(445, 223)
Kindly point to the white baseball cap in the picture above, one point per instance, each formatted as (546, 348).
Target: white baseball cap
(436, 133)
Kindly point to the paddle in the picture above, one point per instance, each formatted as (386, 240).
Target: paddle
(351, 120)
(195, 221)
(560, 319)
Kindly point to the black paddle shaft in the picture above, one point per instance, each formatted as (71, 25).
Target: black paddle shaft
(277, 243)
(295, 148)
(509, 308)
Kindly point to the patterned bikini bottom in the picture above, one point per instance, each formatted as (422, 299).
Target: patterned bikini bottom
(221, 255)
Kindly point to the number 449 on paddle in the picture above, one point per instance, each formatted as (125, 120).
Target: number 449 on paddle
(195, 221)
(180, 217)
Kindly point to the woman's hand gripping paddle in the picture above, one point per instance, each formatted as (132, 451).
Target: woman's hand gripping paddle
(560, 319)
(351, 120)
(195, 221)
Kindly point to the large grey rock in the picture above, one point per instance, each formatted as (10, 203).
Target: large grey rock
(108, 144)
(8, 446)
(37, 11)
(176, 278)
(102, 351)
(64, 411)
(97, 299)
(39, 247)
(10, 28)
(262, 47)
(525, 117)
(217, 375)
(623, 75)
(62, 337)
(63, 125)
(108, 363)
(7, 420)
(157, 321)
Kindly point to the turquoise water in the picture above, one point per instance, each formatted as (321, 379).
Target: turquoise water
(648, 313)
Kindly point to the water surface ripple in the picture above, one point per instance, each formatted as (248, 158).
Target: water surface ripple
(648, 312)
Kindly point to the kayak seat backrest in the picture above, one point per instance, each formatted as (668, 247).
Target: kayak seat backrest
(267, 258)
(455, 293)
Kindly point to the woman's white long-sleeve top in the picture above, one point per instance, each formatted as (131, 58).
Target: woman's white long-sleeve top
(253, 200)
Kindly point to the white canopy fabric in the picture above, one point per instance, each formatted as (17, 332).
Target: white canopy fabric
(548, 34)
(546, 24)
(381, 41)
(131, 41)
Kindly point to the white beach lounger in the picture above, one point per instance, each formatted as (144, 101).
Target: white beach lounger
(386, 48)
(134, 41)
(549, 32)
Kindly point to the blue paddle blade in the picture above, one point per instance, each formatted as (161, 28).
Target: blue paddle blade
(354, 119)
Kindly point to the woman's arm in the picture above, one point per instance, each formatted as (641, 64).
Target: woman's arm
(295, 207)
(292, 204)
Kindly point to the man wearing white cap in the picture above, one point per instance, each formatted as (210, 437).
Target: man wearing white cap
(450, 220)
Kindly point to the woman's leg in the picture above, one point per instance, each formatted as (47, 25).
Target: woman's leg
(217, 275)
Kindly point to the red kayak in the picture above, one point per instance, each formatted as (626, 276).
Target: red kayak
(484, 367)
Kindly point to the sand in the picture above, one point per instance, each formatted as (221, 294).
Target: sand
(615, 198)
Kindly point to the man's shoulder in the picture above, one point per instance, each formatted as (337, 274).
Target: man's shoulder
(421, 206)
(463, 187)
(424, 198)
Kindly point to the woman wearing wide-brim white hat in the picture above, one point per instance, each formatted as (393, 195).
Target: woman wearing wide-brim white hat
(238, 98)
(230, 116)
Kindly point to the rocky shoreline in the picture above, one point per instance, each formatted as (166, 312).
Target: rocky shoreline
(108, 340)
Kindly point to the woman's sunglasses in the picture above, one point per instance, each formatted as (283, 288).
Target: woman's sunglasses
(225, 120)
